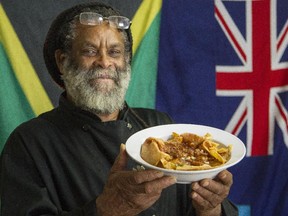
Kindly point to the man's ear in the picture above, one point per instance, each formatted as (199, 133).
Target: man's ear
(60, 57)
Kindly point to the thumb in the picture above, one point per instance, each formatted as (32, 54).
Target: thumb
(121, 160)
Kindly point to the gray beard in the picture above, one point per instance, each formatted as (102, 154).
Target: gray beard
(90, 94)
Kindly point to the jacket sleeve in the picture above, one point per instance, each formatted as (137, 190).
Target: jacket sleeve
(22, 189)
(229, 209)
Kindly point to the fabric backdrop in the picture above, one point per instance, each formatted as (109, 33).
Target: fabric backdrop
(217, 63)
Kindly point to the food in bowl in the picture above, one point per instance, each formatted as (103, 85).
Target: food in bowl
(186, 151)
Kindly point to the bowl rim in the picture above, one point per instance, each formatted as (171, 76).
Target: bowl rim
(240, 155)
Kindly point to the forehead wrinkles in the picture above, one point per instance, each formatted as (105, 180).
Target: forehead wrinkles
(101, 33)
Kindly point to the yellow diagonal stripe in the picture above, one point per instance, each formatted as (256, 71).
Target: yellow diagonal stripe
(22, 67)
(143, 19)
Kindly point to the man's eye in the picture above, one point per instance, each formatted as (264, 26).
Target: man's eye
(115, 53)
(89, 52)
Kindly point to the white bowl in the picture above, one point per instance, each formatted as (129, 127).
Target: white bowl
(134, 143)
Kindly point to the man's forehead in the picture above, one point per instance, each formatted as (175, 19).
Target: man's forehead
(103, 30)
(93, 35)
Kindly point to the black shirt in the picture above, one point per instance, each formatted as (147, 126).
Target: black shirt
(57, 163)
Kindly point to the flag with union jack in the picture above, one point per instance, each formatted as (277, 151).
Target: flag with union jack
(229, 69)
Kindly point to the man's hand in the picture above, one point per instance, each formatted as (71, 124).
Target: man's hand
(130, 192)
(207, 195)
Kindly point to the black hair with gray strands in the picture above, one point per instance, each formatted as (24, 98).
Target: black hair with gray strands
(60, 34)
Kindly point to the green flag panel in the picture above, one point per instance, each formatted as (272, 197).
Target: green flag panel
(14, 107)
(142, 89)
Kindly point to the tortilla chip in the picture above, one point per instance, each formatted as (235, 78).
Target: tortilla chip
(211, 148)
(192, 138)
(150, 151)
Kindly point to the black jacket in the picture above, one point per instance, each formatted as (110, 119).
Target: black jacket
(57, 163)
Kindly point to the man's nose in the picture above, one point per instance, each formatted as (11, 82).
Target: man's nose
(103, 61)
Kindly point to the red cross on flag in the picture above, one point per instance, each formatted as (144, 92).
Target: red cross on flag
(260, 78)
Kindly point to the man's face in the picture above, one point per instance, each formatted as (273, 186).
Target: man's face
(96, 73)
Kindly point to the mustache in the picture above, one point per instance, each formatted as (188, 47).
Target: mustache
(104, 74)
(98, 72)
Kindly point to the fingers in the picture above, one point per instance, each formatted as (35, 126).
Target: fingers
(147, 181)
(161, 184)
(157, 185)
(121, 160)
(147, 175)
(208, 193)
(204, 197)
(132, 192)
(225, 177)
(220, 185)
(147, 192)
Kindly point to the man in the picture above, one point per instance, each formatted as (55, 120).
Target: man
(65, 161)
